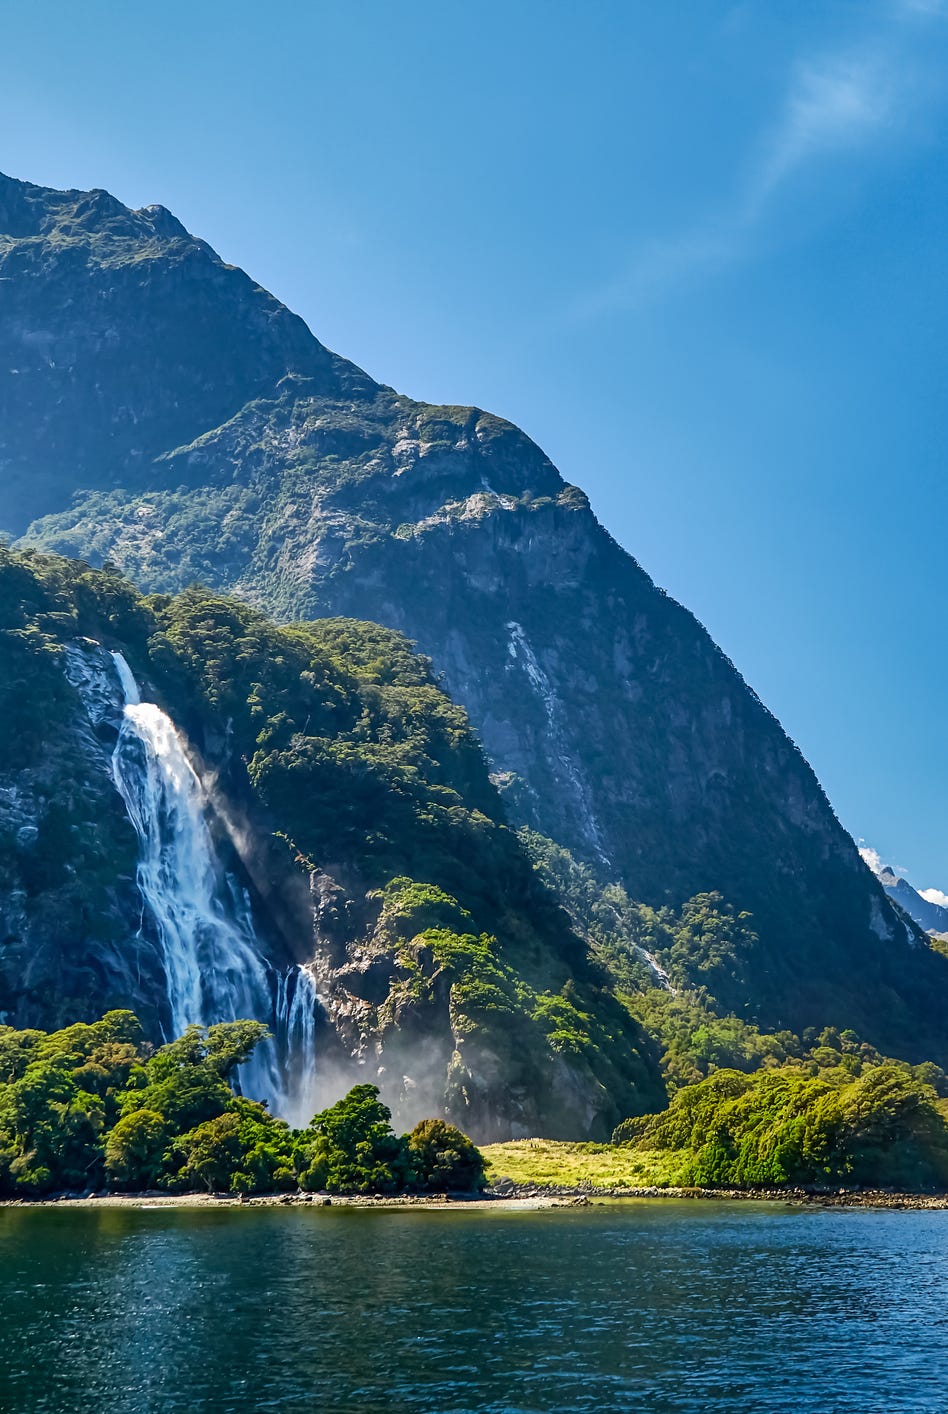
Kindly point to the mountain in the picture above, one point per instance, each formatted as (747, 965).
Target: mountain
(161, 413)
(204, 816)
(932, 917)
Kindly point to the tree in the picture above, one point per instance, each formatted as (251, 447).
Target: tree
(210, 1153)
(442, 1159)
(245, 1150)
(135, 1148)
(351, 1148)
(186, 1081)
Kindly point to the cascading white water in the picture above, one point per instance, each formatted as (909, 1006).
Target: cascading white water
(213, 967)
(296, 1006)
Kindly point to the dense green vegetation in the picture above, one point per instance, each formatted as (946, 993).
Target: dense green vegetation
(679, 971)
(704, 947)
(795, 1125)
(881, 1127)
(94, 1105)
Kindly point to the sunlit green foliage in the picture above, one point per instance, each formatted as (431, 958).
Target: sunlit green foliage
(442, 1159)
(134, 1149)
(523, 1017)
(94, 1105)
(244, 1150)
(883, 1127)
(351, 1147)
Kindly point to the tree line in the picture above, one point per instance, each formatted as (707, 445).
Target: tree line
(95, 1106)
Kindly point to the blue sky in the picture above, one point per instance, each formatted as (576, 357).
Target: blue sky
(697, 250)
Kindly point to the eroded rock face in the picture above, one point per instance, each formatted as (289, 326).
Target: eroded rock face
(96, 915)
(210, 437)
(388, 1018)
(71, 940)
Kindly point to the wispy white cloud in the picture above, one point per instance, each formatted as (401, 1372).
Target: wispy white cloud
(835, 104)
(921, 7)
(872, 857)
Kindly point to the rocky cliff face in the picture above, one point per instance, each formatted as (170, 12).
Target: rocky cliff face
(179, 422)
(337, 818)
(70, 912)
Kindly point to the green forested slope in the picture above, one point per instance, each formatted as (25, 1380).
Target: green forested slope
(368, 830)
(472, 972)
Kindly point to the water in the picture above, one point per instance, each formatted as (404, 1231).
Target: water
(711, 1307)
(214, 969)
(296, 1006)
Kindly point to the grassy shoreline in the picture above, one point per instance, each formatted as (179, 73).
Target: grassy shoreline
(608, 1171)
(550, 1163)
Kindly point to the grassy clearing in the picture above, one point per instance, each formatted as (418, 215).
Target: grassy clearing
(547, 1163)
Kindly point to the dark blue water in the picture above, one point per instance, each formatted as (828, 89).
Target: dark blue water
(637, 1307)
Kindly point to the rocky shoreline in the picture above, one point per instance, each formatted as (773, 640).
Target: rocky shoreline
(818, 1197)
(291, 1200)
(507, 1196)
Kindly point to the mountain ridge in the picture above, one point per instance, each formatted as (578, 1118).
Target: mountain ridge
(228, 446)
(931, 916)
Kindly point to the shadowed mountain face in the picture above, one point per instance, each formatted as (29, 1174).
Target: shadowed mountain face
(101, 375)
(160, 411)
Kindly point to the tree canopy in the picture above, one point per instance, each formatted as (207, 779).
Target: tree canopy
(95, 1105)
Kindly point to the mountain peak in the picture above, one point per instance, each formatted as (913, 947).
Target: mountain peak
(124, 338)
(28, 211)
(165, 223)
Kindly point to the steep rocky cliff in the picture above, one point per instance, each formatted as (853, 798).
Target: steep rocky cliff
(158, 410)
(355, 835)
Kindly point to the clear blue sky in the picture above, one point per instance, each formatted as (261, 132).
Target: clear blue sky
(698, 250)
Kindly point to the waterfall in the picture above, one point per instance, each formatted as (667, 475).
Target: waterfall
(296, 1006)
(214, 969)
